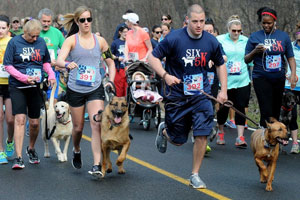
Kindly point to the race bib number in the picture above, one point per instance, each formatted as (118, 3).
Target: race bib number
(210, 76)
(192, 84)
(3, 72)
(86, 75)
(234, 68)
(36, 73)
(52, 54)
(134, 56)
(273, 63)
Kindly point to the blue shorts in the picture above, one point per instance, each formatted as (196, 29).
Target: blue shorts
(185, 114)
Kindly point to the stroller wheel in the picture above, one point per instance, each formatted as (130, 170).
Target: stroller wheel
(146, 120)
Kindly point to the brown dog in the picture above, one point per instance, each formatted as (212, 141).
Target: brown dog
(115, 133)
(265, 146)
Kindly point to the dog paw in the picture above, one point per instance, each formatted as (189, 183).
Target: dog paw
(269, 188)
(121, 171)
(109, 170)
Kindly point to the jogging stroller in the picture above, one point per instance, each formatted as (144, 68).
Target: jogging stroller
(143, 107)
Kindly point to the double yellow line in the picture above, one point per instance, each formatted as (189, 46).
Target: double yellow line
(168, 174)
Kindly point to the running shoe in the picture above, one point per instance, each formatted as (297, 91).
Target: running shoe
(208, 149)
(18, 163)
(3, 159)
(86, 117)
(10, 149)
(32, 155)
(295, 148)
(161, 140)
(240, 142)
(230, 124)
(196, 182)
(96, 171)
(76, 161)
(220, 138)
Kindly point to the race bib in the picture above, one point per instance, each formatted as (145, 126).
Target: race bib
(86, 75)
(134, 56)
(210, 76)
(234, 68)
(36, 73)
(192, 84)
(52, 54)
(3, 72)
(273, 63)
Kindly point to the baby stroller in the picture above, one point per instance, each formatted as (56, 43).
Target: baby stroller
(142, 107)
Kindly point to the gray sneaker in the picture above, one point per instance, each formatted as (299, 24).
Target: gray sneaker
(161, 140)
(295, 148)
(196, 182)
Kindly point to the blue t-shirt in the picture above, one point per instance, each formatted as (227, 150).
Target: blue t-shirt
(187, 59)
(154, 43)
(296, 49)
(26, 57)
(270, 64)
(212, 72)
(117, 48)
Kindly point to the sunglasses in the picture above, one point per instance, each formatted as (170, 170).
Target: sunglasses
(16, 21)
(82, 20)
(236, 31)
(164, 19)
(158, 32)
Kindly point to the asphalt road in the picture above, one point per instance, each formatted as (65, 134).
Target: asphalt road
(228, 172)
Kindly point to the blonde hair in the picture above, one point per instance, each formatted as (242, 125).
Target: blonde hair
(32, 25)
(233, 20)
(71, 18)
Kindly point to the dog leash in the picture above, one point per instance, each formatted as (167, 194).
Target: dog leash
(229, 104)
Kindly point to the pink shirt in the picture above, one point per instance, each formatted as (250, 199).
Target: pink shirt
(136, 43)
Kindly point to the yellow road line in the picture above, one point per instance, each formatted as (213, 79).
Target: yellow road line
(168, 174)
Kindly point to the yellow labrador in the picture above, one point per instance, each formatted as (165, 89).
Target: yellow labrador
(59, 125)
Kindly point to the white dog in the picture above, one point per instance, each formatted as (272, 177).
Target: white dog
(188, 60)
(59, 124)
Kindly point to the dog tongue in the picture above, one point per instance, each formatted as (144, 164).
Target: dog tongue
(285, 142)
(118, 120)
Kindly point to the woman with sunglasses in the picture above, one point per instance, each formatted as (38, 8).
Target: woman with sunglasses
(83, 50)
(26, 59)
(269, 49)
(156, 34)
(137, 45)
(238, 81)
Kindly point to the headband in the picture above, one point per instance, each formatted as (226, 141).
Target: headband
(268, 13)
(234, 20)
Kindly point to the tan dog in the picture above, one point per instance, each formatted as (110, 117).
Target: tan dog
(265, 146)
(115, 133)
(59, 124)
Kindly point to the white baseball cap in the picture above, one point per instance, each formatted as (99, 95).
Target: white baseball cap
(132, 17)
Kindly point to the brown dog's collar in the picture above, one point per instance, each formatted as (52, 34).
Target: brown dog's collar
(267, 144)
(112, 124)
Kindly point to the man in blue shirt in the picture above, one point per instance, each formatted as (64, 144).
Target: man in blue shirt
(187, 53)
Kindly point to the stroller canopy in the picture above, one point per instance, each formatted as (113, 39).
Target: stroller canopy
(139, 66)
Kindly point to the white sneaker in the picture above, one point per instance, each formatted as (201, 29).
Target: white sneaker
(196, 182)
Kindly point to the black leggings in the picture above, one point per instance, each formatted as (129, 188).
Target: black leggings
(240, 99)
(269, 95)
